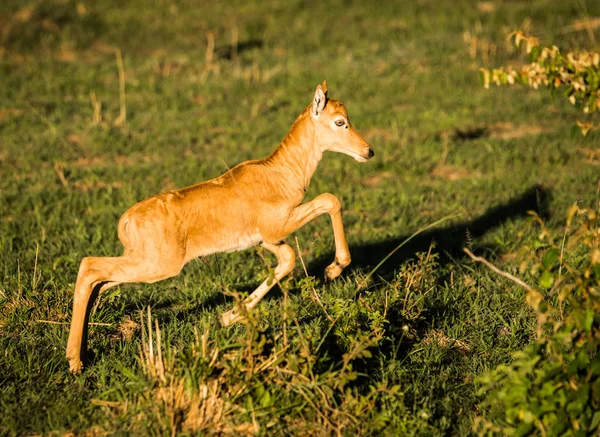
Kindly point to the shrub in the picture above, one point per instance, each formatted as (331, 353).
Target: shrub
(577, 73)
(553, 386)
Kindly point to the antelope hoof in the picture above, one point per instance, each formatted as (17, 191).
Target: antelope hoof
(333, 271)
(75, 365)
(230, 317)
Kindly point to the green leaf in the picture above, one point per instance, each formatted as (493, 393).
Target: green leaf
(265, 400)
(596, 270)
(546, 280)
(550, 258)
(592, 103)
(595, 421)
(537, 244)
(592, 79)
(588, 320)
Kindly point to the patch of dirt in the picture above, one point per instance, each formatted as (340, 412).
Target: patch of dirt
(108, 161)
(376, 133)
(376, 179)
(86, 185)
(486, 7)
(592, 155)
(126, 330)
(508, 131)
(75, 139)
(452, 173)
(501, 130)
(6, 113)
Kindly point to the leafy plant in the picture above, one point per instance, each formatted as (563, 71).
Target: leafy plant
(553, 386)
(576, 72)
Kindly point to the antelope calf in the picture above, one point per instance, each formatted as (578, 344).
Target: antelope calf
(256, 202)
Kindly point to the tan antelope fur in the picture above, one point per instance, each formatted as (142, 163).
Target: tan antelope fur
(256, 202)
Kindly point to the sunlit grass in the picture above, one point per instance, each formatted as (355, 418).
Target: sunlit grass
(394, 350)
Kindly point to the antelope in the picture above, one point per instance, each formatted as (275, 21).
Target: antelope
(257, 202)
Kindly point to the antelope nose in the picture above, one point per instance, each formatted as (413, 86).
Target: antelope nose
(371, 153)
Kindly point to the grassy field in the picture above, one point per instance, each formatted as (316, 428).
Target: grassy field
(394, 350)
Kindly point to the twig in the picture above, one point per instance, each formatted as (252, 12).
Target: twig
(52, 322)
(497, 270)
(562, 250)
(34, 279)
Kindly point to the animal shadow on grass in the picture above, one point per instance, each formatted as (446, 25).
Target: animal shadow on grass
(449, 241)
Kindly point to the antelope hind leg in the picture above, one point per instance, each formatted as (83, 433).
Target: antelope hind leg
(108, 272)
(324, 203)
(286, 259)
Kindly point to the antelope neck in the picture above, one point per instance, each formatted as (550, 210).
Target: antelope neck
(299, 154)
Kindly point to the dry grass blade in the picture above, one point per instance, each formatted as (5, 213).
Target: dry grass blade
(60, 172)
(152, 362)
(122, 119)
(97, 109)
(210, 48)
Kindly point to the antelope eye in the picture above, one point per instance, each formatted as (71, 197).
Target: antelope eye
(340, 122)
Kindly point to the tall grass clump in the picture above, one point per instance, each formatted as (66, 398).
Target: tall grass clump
(256, 380)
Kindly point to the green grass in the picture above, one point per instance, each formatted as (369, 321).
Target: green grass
(432, 323)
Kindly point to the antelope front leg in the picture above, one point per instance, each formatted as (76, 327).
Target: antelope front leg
(286, 259)
(325, 203)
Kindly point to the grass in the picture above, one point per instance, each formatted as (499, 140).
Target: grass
(401, 354)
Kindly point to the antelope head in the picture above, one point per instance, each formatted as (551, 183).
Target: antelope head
(333, 130)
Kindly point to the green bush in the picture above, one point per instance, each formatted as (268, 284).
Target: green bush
(552, 388)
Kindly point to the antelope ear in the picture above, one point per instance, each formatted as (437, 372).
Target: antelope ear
(319, 100)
